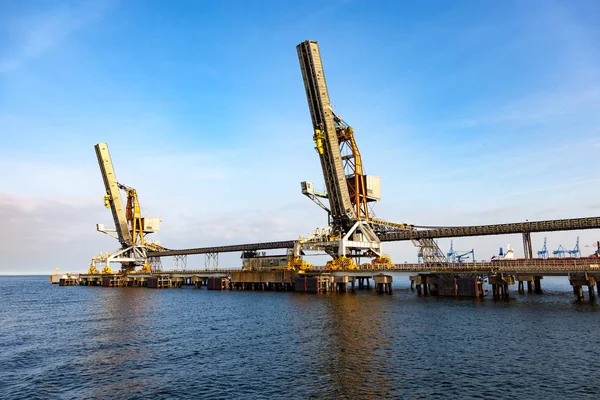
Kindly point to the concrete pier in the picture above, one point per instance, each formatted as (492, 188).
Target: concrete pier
(420, 282)
(500, 285)
(383, 284)
(521, 279)
(343, 282)
(537, 284)
(579, 280)
(364, 282)
(437, 282)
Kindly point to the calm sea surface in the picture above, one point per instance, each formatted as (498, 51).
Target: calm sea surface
(129, 343)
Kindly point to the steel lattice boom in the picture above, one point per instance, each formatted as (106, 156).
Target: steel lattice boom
(325, 136)
(113, 196)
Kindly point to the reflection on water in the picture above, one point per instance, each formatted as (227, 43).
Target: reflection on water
(360, 346)
(119, 335)
(347, 342)
(89, 342)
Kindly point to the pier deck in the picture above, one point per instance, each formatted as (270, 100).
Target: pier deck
(440, 278)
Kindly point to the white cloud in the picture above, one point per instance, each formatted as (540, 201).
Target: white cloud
(39, 235)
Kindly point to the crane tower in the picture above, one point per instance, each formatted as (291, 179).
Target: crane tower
(352, 227)
(130, 227)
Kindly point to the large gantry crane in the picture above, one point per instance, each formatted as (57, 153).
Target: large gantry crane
(130, 227)
(353, 230)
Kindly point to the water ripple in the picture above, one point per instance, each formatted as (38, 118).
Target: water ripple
(128, 343)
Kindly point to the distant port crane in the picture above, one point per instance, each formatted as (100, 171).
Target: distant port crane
(543, 253)
(459, 256)
(575, 252)
(560, 252)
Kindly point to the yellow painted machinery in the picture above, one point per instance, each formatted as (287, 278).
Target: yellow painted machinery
(131, 227)
(299, 264)
(341, 263)
(349, 191)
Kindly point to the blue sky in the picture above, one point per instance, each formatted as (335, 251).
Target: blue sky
(471, 112)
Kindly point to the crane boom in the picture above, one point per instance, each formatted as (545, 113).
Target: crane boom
(326, 137)
(113, 196)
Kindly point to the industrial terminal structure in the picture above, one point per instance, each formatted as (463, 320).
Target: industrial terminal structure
(352, 233)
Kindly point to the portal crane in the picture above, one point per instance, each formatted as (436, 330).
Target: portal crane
(543, 253)
(576, 251)
(342, 212)
(352, 227)
(459, 256)
(560, 252)
(130, 226)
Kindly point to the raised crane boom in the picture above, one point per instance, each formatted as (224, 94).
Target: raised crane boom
(130, 226)
(113, 196)
(342, 211)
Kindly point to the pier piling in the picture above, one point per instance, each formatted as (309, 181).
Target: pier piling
(537, 283)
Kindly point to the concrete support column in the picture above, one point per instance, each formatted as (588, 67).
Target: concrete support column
(538, 284)
(527, 249)
(382, 288)
(521, 288)
(578, 290)
(591, 292)
(481, 289)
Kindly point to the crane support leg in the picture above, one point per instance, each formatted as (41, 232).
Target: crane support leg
(527, 245)
(211, 260)
(429, 251)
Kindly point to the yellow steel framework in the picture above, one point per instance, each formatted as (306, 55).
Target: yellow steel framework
(134, 216)
(342, 211)
(353, 168)
(130, 226)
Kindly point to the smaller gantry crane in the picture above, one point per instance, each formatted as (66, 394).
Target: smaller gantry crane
(576, 251)
(130, 227)
(543, 253)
